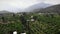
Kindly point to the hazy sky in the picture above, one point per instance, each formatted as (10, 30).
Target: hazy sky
(14, 4)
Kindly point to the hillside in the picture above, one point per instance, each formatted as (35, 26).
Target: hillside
(51, 9)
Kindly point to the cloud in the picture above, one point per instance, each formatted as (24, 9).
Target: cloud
(19, 3)
(26, 3)
(52, 1)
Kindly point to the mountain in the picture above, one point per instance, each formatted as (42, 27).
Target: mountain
(51, 9)
(37, 6)
(5, 12)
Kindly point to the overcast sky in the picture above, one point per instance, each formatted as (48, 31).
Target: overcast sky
(14, 4)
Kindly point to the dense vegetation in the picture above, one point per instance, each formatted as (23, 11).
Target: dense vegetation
(42, 24)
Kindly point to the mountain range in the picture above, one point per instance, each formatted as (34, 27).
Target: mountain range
(40, 8)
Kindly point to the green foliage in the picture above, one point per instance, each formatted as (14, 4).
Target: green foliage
(44, 24)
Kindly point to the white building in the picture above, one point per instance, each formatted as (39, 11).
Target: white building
(23, 33)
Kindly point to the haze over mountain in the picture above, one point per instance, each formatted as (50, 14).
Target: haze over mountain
(37, 6)
(42, 8)
(32, 7)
